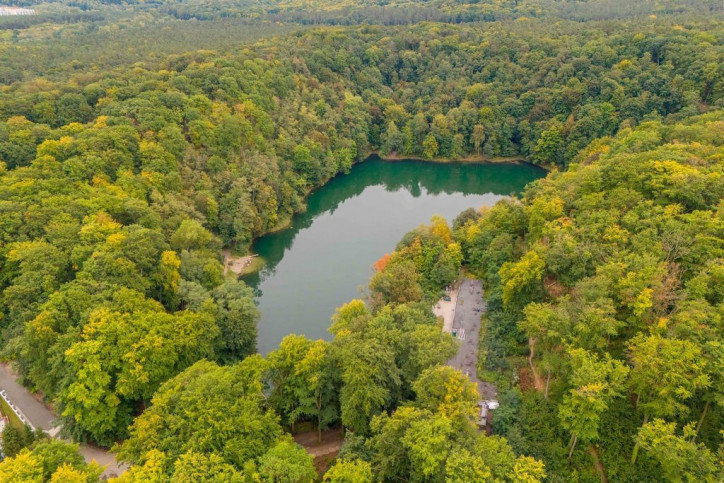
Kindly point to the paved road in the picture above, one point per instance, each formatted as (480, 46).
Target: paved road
(42, 417)
(36, 412)
(103, 458)
(470, 306)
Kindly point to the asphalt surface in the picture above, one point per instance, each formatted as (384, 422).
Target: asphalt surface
(42, 417)
(35, 411)
(470, 306)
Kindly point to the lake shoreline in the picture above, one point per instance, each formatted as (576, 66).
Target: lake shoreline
(393, 157)
(325, 258)
(390, 158)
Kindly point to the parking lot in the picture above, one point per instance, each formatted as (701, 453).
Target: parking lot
(466, 327)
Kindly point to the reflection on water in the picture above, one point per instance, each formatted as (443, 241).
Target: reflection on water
(324, 258)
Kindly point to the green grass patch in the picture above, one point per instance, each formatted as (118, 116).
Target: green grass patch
(504, 371)
(12, 417)
(256, 264)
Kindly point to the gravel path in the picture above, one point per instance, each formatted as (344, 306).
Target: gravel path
(469, 308)
(332, 440)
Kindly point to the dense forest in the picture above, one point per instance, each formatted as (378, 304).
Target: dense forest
(351, 12)
(128, 164)
(608, 276)
(81, 35)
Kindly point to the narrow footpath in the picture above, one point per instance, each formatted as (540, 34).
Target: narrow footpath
(323, 452)
(40, 416)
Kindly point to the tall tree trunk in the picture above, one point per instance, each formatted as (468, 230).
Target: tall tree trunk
(548, 383)
(701, 421)
(599, 464)
(292, 420)
(635, 452)
(536, 377)
(573, 446)
(319, 418)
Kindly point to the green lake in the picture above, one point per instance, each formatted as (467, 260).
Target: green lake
(324, 258)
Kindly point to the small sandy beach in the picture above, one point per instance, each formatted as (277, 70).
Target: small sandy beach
(446, 310)
(239, 265)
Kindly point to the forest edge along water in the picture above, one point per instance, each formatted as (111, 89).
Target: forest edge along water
(324, 257)
(243, 265)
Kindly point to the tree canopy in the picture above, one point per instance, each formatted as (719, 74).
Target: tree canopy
(607, 283)
(138, 139)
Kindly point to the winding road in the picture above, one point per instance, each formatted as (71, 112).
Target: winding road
(41, 417)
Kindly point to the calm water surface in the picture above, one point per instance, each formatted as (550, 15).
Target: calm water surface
(324, 259)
